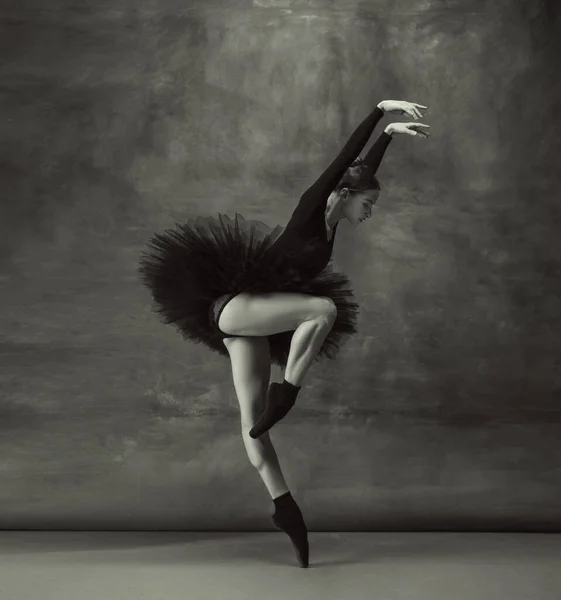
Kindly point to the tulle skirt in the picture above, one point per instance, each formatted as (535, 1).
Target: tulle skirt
(189, 269)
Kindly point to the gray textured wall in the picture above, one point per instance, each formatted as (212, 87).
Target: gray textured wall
(119, 118)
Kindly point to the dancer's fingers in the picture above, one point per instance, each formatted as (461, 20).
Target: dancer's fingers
(417, 128)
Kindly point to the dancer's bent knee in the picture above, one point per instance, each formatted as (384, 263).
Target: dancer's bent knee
(328, 309)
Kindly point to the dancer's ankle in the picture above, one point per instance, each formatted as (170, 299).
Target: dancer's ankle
(280, 494)
(284, 500)
(290, 382)
(291, 389)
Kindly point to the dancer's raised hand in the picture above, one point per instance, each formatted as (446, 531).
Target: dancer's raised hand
(408, 128)
(400, 107)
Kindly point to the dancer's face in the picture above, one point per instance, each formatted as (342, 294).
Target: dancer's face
(358, 205)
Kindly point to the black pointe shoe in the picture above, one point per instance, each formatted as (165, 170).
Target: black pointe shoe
(281, 397)
(293, 525)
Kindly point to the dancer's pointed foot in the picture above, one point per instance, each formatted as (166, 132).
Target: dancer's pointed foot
(281, 397)
(288, 518)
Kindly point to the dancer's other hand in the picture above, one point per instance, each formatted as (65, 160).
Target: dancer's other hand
(408, 128)
(401, 107)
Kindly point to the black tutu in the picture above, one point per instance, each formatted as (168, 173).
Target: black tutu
(189, 267)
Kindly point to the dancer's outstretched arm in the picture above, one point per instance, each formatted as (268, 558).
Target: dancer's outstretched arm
(397, 107)
(376, 153)
(318, 193)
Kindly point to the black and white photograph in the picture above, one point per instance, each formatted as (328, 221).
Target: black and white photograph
(280, 299)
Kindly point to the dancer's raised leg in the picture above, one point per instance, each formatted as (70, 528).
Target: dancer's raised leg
(311, 318)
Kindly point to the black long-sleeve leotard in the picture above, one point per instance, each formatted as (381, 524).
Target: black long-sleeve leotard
(306, 227)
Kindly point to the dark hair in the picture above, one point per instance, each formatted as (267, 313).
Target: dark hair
(358, 177)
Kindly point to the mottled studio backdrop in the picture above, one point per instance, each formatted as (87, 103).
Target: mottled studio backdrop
(119, 118)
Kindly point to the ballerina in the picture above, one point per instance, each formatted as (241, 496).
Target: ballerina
(263, 295)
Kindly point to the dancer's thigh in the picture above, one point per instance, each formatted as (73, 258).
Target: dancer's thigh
(250, 314)
(251, 371)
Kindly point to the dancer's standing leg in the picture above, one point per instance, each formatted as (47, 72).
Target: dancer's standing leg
(251, 371)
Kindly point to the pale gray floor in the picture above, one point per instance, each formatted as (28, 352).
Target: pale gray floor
(261, 566)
